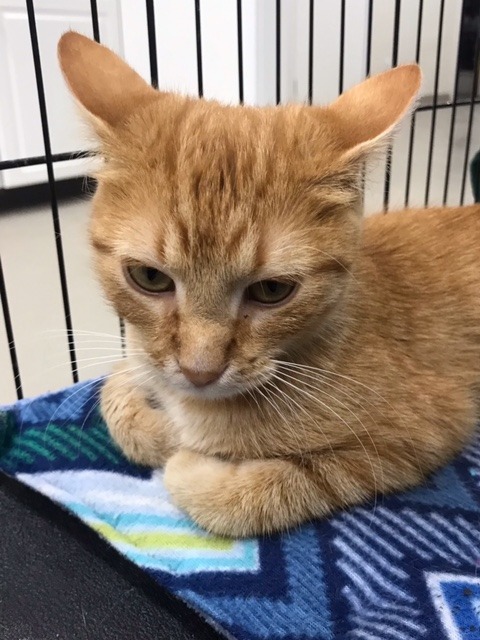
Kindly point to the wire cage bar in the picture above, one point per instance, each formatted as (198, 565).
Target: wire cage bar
(10, 336)
(198, 35)
(51, 183)
(240, 51)
(396, 35)
(437, 104)
(414, 116)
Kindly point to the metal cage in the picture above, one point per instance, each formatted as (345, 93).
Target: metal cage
(435, 105)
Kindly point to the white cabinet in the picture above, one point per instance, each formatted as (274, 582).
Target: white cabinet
(20, 124)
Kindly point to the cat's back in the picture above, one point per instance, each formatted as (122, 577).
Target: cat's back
(420, 276)
(439, 230)
(436, 246)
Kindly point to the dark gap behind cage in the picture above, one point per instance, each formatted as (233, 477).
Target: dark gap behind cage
(471, 115)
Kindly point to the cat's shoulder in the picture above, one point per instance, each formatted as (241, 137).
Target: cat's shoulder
(430, 216)
(411, 223)
(424, 235)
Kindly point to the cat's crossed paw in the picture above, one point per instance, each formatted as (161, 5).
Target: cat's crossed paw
(234, 499)
(197, 485)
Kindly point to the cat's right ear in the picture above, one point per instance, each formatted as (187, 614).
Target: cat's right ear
(104, 85)
(369, 112)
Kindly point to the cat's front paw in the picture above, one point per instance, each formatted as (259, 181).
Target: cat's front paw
(144, 434)
(239, 499)
(198, 485)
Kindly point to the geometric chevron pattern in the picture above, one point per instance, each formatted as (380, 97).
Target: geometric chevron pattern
(296, 614)
(406, 568)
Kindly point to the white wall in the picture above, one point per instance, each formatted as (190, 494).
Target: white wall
(176, 46)
(383, 21)
(327, 43)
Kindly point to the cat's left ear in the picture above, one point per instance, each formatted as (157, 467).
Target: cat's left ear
(369, 112)
(103, 84)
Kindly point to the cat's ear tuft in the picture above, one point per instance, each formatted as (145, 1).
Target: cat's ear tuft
(370, 111)
(102, 82)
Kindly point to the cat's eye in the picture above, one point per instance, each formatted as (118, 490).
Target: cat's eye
(269, 291)
(149, 279)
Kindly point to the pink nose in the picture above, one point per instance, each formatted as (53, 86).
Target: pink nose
(200, 377)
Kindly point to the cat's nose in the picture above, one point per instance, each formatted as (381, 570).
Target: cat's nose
(201, 377)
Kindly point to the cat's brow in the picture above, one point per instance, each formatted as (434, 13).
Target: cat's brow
(144, 244)
(298, 269)
(101, 247)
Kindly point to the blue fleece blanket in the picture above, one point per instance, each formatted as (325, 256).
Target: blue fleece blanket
(406, 568)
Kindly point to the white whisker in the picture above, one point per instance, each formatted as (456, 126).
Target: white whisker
(135, 379)
(339, 417)
(79, 332)
(289, 401)
(345, 406)
(334, 374)
(97, 360)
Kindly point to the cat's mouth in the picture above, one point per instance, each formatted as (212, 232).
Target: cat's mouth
(212, 392)
(230, 382)
(227, 385)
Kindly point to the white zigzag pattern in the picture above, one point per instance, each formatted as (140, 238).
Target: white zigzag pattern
(372, 543)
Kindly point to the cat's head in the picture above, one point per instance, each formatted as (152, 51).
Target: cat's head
(226, 236)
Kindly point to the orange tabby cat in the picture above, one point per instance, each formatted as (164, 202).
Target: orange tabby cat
(288, 357)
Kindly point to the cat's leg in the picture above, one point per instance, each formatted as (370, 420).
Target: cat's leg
(260, 496)
(142, 432)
